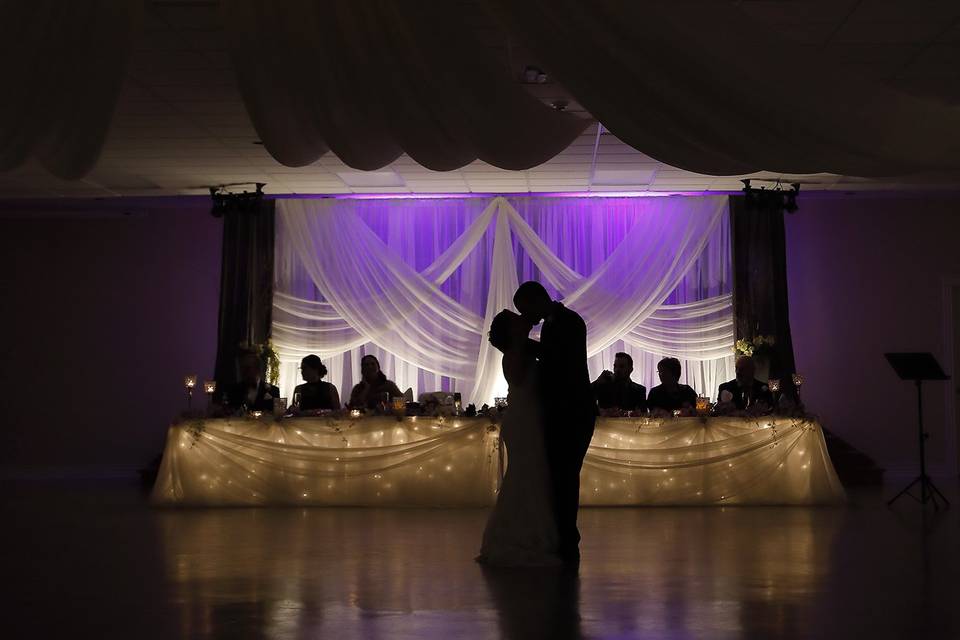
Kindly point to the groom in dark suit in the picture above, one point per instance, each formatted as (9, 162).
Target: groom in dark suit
(567, 403)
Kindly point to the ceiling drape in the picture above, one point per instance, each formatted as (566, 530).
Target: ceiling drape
(62, 66)
(695, 84)
(700, 86)
(372, 80)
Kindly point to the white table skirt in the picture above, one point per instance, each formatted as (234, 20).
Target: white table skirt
(456, 462)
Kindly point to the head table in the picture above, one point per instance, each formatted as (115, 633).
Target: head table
(458, 462)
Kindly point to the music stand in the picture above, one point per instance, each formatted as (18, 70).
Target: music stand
(919, 367)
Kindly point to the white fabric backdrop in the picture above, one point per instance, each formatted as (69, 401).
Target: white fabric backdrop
(417, 282)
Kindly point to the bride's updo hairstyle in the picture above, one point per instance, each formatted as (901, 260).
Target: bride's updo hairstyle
(503, 328)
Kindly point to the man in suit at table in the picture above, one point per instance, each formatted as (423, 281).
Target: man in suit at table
(615, 390)
(252, 390)
(745, 390)
(567, 402)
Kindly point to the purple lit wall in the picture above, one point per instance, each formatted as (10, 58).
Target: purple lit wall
(866, 276)
(103, 315)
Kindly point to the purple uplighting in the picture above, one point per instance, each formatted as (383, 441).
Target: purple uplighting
(517, 194)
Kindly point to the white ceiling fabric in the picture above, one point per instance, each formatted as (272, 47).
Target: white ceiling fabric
(62, 65)
(705, 87)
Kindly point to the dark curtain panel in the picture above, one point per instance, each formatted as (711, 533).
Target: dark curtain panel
(760, 281)
(246, 285)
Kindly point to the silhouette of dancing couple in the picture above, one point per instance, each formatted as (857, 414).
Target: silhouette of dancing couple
(546, 429)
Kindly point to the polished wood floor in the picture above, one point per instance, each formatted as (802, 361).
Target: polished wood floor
(92, 560)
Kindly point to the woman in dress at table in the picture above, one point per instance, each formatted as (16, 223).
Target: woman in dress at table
(314, 393)
(369, 392)
(670, 395)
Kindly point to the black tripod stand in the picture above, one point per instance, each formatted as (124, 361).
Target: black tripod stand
(919, 367)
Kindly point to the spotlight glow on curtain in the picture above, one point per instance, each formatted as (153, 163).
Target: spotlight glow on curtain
(417, 282)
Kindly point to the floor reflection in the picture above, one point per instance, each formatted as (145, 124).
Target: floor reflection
(99, 562)
(535, 603)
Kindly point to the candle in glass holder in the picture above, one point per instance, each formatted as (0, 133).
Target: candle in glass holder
(774, 384)
(703, 405)
(797, 380)
(399, 404)
(189, 382)
(354, 413)
(209, 387)
(256, 414)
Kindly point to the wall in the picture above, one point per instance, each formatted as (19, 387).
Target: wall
(103, 315)
(866, 277)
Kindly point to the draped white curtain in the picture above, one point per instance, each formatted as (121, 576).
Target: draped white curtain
(417, 282)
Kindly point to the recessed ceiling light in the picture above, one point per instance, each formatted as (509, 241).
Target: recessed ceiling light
(371, 179)
(623, 177)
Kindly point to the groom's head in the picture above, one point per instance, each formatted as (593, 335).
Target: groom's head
(532, 301)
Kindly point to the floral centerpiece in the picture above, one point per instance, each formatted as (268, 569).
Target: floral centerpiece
(759, 346)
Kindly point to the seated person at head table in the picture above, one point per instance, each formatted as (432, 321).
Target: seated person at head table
(744, 390)
(251, 390)
(670, 395)
(616, 392)
(314, 393)
(368, 393)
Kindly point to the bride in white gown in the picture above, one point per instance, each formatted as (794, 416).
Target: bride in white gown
(521, 530)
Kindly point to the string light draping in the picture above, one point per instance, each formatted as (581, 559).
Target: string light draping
(382, 461)
(662, 288)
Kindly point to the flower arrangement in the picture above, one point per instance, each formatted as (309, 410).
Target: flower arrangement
(269, 356)
(758, 345)
(195, 430)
